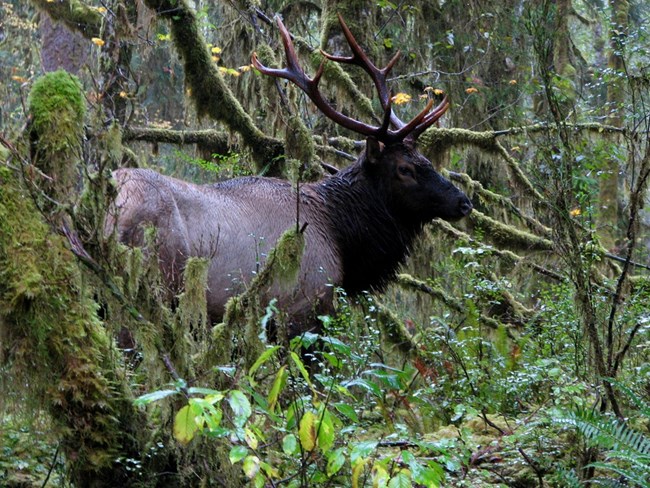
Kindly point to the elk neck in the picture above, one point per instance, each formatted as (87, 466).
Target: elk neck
(371, 240)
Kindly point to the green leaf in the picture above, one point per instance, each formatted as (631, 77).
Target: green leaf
(335, 461)
(241, 407)
(153, 397)
(278, 386)
(237, 453)
(185, 424)
(301, 367)
(307, 431)
(204, 391)
(262, 359)
(289, 444)
(362, 450)
(400, 480)
(368, 385)
(326, 432)
(206, 413)
(431, 476)
(348, 411)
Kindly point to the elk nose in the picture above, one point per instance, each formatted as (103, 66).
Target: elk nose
(465, 206)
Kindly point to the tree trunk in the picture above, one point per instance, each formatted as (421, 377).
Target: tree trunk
(609, 198)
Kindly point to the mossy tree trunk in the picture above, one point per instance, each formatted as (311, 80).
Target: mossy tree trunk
(57, 345)
(54, 340)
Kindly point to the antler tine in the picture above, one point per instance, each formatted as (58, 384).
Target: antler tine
(403, 132)
(429, 119)
(361, 59)
(294, 73)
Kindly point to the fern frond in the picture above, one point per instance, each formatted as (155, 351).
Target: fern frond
(607, 432)
(629, 475)
(566, 479)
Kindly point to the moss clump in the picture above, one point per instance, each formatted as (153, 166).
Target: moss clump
(57, 107)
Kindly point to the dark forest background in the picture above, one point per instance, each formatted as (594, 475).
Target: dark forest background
(512, 350)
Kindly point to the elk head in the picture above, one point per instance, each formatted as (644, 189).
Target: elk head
(413, 190)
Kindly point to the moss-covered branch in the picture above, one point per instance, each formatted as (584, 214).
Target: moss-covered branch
(209, 91)
(506, 255)
(74, 14)
(509, 236)
(217, 140)
(474, 187)
(410, 283)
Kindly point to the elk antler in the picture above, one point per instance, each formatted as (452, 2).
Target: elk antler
(294, 73)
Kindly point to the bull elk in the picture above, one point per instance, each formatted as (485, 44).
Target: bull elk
(361, 222)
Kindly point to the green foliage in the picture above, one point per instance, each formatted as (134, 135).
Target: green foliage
(282, 422)
(625, 451)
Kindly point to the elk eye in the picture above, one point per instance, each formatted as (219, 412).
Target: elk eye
(405, 171)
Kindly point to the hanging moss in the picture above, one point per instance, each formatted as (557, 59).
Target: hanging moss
(245, 310)
(57, 107)
(301, 152)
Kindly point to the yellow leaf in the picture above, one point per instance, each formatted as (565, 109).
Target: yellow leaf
(307, 431)
(401, 98)
(357, 470)
(471, 90)
(251, 466)
(184, 425)
(438, 91)
(379, 475)
(97, 41)
(19, 79)
(251, 438)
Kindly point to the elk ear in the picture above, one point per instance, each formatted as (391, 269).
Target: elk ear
(374, 149)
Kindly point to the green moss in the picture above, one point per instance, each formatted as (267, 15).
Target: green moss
(57, 107)
(507, 235)
(55, 342)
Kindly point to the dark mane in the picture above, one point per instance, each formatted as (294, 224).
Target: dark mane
(371, 241)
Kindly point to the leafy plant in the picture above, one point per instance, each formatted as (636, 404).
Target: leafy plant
(625, 451)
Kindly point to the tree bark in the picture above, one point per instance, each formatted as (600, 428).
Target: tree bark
(609, 182)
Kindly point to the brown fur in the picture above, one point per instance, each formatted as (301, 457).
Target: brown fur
(360, 225)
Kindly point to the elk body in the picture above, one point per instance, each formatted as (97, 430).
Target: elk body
(360, 223)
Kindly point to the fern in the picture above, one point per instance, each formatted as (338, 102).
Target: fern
(627, 451)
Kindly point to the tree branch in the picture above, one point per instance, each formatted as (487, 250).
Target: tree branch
(209, 91)
(76, 15)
